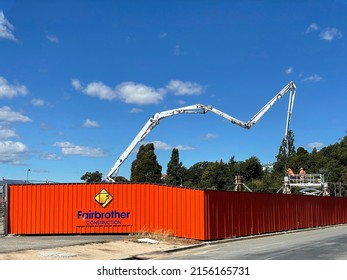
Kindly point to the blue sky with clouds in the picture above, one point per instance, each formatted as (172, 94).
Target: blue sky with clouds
(79, 79)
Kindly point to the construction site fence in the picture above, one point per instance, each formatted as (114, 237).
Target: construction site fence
(123, 208)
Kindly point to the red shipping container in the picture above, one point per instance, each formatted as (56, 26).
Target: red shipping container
(189, 213)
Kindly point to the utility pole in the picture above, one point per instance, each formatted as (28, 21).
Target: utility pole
(28, 176)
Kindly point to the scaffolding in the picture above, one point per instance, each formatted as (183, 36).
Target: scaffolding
(240, 186)
(308, 184)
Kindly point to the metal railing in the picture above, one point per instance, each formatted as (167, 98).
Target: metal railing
(309, 184)
(311, 180)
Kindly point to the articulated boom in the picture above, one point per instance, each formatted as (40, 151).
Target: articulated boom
(201, 109)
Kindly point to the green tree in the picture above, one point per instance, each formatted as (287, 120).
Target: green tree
(92, 177)
(193, 174)
(303, 159)
(121, 179)
(145, 168)
(216, 176)
(233, 167)
(175, 172)
(334, 171)
(271, 182)
(251, 169)
(285, 153)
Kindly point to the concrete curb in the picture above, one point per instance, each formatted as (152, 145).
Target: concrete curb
(146, 256)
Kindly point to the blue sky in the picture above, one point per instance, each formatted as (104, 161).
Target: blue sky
(79, 79)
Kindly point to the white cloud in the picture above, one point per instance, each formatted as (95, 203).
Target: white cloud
(128, 92)
(135, 110)
(37, 102)
(177, 50)
(44, 126)
(76, 84)
(6, 28)
(312, 28)
(289, 70)
(70, 149)
(317, 145)
(330, 34)
(184, 148)
(52, 38)
(210, 136)
(90, 123)
(50, 156)
(98, 89)
(159, 145)
(312, 78)
(137, 93)
(6, 132)
(12, 152)
(163, 35)
(327, 34)
(8, 116)
(133, 93)
(39, 170)
(9, 91)
(184, 88)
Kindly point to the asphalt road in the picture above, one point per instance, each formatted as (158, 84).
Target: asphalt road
(317, 244)
(328, 243)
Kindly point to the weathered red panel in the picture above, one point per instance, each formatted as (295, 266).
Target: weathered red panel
(256, 213)
(197, 214)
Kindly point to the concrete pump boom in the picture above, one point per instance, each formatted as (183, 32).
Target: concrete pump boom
(202, 109)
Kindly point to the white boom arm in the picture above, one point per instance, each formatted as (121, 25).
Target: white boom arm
(201, 109)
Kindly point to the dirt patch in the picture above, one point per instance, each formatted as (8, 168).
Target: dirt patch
(113, 250)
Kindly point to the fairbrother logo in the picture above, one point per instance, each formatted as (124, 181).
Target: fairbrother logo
(102, 215)
(103, 198)
(92, 217)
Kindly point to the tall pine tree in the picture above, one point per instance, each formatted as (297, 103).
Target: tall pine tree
(174, 169)
(286, 151)
(145, 168)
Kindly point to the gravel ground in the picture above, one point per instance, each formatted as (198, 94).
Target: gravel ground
(115, 250)
(89, 247)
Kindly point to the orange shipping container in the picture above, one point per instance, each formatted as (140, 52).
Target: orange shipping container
(105, 208)
(182, 212)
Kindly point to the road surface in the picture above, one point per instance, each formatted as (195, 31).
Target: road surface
(318, 244)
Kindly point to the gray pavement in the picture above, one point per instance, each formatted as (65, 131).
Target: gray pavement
(328, 243)
(318, 243)
(13, 243)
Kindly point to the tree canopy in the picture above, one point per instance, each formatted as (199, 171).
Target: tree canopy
(92, 177)
(145, 168)
(331, 161)
(175, 170)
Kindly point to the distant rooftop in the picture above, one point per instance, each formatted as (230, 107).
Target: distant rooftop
(268, 167)
(3, 182)
(13, 182)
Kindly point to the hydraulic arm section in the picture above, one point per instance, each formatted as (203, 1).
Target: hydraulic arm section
(202, 109)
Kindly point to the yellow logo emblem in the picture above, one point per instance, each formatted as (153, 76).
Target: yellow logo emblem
(103, 198)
